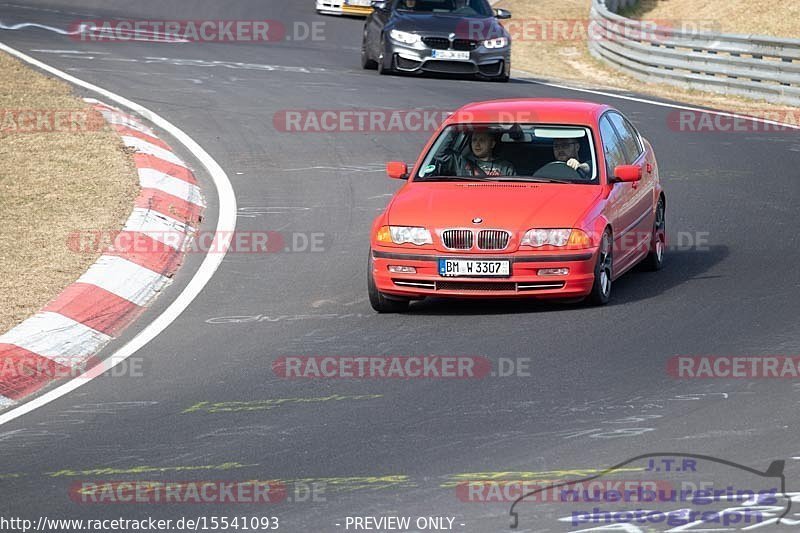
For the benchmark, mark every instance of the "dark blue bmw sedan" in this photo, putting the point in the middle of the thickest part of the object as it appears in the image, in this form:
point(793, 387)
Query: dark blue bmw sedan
point(439, 36)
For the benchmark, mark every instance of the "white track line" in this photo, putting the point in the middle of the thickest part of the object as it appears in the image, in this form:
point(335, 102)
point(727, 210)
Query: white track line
point(25, 25)
point(226, 224)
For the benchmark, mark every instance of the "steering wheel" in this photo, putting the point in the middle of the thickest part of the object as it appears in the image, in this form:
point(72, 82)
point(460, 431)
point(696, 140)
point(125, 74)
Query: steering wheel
point(558, 170)
point(446, 163)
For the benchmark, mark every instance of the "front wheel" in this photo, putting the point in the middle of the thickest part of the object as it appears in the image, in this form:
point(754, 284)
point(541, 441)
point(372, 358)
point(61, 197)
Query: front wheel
point(382, 68)
point(503, 78)
point(601, 289)
point(658, 245)
point(377, 300)
point(367, 63)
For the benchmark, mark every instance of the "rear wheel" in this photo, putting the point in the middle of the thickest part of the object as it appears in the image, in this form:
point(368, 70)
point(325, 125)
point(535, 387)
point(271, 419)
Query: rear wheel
point(658, 245)
point(378, 300)
point(601, 289)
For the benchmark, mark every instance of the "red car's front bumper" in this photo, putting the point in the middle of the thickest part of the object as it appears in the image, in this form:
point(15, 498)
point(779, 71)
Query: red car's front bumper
point(524, 281)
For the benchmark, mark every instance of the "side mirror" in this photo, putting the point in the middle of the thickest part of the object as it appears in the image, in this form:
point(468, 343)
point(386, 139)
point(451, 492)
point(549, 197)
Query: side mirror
point(378, 4)
point(397, 170)
point(502, 14)
point(628, 173)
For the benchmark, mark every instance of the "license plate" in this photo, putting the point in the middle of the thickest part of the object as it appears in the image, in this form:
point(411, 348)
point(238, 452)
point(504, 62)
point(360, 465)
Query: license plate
point(474, 268)
point(361, 3)
point(456, 55)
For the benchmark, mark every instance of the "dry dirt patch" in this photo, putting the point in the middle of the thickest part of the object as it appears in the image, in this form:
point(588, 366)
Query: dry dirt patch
point(778, 18)
point(52, 183)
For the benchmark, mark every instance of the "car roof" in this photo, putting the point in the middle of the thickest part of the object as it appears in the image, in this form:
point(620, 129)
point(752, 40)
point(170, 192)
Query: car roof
point(530, 110)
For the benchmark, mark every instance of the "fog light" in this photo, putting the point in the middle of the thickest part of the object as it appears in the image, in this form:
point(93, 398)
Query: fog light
point(397, 269)
point(553, 271)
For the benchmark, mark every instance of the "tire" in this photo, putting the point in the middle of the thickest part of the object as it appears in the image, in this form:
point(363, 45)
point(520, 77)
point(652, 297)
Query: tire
point(382, 68)
point(494, 79)
point(367, 63)
point(603, 270)
point(654, 260)
point(505, 77)
point(377, 300)
point(502, 78)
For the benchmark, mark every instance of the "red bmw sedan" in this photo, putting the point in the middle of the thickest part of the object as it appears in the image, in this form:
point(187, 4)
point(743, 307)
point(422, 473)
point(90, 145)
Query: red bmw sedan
point(520, 198)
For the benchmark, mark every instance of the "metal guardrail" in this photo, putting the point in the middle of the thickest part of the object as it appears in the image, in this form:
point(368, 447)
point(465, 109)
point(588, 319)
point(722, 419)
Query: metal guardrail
point(754, 66)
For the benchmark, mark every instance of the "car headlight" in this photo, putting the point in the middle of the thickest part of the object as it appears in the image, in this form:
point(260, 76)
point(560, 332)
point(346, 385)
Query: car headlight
point(556, 237)
point(404, 234)
point(404, 37)
point(500, 42)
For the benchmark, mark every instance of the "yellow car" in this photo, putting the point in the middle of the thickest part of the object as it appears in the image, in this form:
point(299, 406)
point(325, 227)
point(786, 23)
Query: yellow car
point(360, 8)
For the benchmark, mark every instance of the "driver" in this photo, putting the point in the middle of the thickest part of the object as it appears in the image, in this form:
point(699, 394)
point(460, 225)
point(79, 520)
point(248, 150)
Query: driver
point(411, 5)
point(462, 7)
point(482, 161)
point(566, 151)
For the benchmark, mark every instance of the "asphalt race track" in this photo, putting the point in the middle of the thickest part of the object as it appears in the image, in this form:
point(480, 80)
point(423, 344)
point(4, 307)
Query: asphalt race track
point(392, 446)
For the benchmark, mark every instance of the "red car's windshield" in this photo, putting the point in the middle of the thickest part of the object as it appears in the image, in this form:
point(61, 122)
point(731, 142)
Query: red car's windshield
point(498, 152)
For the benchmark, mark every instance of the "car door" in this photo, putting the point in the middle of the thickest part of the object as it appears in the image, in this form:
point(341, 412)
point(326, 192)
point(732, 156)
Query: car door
point(619, 211)
point(643, 195)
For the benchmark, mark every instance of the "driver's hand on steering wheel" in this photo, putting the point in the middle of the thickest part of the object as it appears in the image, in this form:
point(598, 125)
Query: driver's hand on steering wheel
point(574, 164)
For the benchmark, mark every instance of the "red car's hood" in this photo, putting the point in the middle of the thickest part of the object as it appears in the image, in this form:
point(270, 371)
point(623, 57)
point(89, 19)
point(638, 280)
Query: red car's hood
point(514, 207)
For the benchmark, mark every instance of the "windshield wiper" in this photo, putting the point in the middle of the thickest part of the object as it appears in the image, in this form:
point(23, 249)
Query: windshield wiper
point(454, 178)
point(533, 179)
